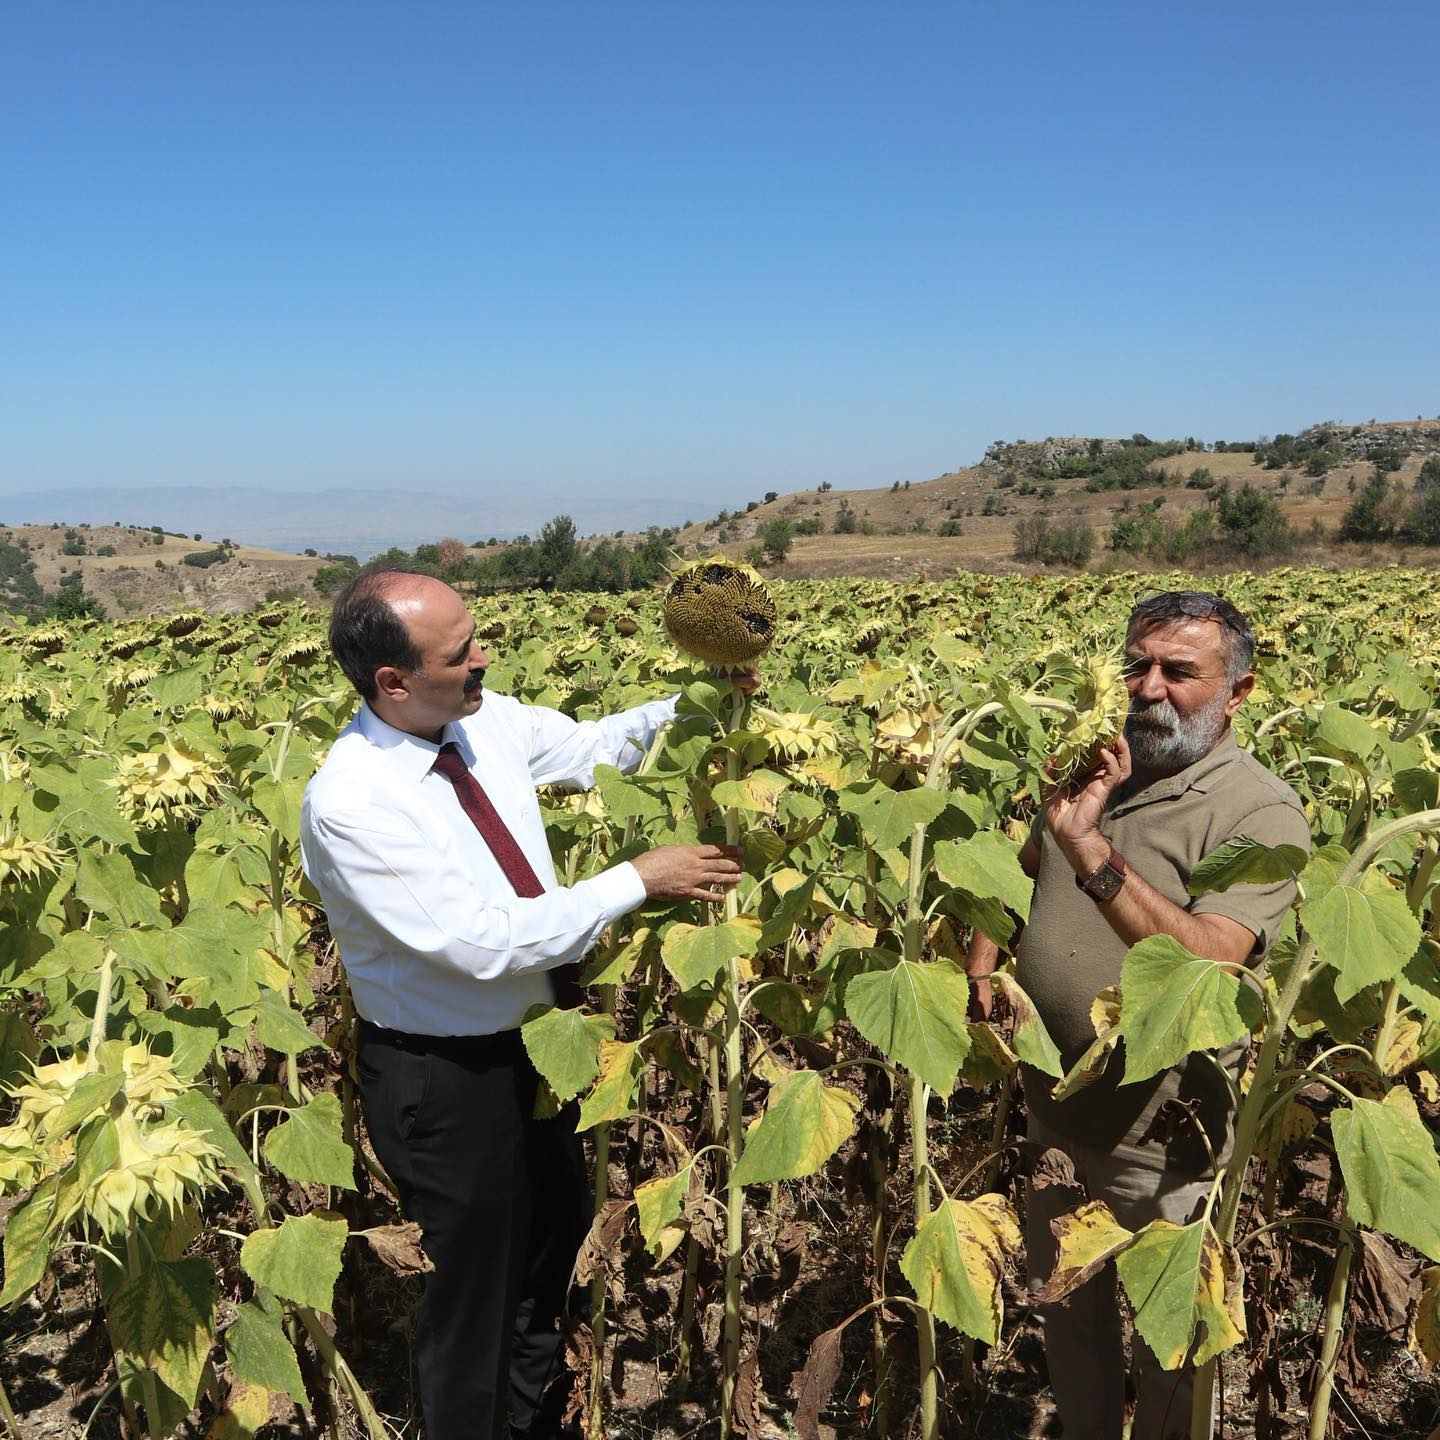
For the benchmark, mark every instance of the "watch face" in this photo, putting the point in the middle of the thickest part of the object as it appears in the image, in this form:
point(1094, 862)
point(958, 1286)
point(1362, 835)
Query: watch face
point(1105, 883)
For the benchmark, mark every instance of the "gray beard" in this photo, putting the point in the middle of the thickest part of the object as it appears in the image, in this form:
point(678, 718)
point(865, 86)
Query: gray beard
point(1166, 742)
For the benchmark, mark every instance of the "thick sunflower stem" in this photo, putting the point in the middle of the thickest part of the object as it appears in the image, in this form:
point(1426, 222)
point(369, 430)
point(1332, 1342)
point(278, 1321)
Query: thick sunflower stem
point(1345, 1255)
point(912, 940)
point(598, 1285)
point(1330, 1345)
point(734, 1106)
point(687, 1314)
point(881, 1095)
point(102, 1009)
point(925, 1319)
point(340, 1369)
point(12, 1425)
point(147, 1375)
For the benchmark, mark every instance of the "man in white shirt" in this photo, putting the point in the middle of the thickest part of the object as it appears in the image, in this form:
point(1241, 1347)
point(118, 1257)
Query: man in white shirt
point(440, 892)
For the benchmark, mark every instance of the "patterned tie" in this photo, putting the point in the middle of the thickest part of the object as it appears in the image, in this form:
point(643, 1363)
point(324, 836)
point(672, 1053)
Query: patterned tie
point(564, 979)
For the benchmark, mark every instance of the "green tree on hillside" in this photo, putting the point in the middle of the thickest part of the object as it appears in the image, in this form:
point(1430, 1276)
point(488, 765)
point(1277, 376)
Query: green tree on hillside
point(1373, 514)
point(776, 536)
point(1252, 522)
point(70, 602)
point(556, 548)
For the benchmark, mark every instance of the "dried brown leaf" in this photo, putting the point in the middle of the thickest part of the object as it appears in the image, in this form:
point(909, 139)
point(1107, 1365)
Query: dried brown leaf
point(792, 1237)
point(750, 1418)
point(579, 1347)
point(813, 1384)
point(1054, 1167)
point(1174, 1120)
point(601, 1240)
point(1386, 1285)
point(398, 1247)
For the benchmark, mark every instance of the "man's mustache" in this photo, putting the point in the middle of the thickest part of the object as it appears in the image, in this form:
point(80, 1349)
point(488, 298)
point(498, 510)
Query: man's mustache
point(475, 683)
point(1153, 715)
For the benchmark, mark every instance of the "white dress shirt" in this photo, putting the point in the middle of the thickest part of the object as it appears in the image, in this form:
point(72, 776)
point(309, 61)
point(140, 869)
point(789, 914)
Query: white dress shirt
point(434, 938)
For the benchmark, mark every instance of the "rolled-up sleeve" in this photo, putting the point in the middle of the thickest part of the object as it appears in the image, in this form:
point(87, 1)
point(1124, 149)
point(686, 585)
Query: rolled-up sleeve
point(1260, 908)
point(376, 877)
point(565, 751)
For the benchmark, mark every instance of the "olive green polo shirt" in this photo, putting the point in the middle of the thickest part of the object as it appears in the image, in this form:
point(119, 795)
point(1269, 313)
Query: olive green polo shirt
point(1068, 952)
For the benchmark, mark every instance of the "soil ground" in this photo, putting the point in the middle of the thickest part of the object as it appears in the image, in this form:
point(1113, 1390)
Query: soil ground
point(806, 1274)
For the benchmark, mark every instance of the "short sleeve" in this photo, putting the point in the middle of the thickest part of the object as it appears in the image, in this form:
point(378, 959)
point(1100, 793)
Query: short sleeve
point(1260, 908)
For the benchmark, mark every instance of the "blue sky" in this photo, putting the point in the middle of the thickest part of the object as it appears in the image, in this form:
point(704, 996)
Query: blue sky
point(696, 252)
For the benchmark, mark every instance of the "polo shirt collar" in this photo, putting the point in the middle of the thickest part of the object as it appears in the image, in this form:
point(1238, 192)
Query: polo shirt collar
point(1200, 777)
point(414, 757)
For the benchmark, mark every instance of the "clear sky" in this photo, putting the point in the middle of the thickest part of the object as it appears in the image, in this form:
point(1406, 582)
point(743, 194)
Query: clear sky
point(698, 251)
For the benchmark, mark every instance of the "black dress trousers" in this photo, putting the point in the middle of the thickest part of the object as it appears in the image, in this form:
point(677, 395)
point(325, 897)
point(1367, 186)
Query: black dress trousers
point(501, 1200)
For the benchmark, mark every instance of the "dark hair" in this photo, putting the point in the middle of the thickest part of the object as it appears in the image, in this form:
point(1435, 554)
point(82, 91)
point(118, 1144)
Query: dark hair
point(1169, 607)
point(365, 631)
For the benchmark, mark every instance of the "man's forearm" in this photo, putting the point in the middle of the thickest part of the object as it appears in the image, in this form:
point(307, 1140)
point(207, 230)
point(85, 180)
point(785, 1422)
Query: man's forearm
point(1139, 910)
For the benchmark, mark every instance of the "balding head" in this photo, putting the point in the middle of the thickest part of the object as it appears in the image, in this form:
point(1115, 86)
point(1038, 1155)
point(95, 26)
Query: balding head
point(369, 624)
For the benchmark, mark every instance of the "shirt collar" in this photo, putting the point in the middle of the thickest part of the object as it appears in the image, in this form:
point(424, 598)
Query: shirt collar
point(1200, 777)
point(414, 756)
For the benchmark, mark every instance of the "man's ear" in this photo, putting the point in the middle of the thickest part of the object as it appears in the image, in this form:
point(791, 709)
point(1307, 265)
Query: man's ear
point(392, 683)
point(1239, 693)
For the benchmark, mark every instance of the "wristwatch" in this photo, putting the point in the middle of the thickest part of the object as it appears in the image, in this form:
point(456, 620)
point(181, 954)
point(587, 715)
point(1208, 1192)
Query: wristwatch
point(1104, 883)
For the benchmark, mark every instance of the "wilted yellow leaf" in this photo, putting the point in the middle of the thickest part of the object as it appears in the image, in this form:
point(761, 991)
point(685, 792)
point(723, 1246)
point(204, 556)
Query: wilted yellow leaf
point(957, 1258)
point(1425, 1319)
point(1089, 1238)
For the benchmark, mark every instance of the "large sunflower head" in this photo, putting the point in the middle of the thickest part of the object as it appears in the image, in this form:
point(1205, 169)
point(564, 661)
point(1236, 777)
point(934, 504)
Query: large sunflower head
point(720, 612)
point(1102, 701)
point(172, 781)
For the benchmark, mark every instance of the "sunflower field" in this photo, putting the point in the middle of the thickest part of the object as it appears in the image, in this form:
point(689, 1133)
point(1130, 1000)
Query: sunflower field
point(806, 1166)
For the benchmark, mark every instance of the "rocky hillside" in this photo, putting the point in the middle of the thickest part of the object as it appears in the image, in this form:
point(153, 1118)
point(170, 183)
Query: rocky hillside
point(967, 518)
point(138, 570)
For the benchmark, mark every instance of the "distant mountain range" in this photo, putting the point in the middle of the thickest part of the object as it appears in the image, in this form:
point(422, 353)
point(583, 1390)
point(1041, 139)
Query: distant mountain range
point(347, 522)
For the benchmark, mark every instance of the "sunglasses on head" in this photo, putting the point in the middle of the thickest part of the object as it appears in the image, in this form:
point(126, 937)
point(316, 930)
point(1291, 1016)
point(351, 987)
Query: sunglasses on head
point(1193, 603)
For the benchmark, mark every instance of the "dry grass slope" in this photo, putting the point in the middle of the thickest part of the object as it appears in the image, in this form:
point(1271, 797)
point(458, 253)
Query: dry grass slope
point(905, 522)
point(129, 582)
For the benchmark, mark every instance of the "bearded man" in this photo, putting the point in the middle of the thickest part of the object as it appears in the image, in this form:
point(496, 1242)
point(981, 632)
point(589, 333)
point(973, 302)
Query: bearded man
point(1111, 861)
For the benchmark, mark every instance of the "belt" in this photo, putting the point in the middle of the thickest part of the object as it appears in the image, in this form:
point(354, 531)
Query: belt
point(502, 1045)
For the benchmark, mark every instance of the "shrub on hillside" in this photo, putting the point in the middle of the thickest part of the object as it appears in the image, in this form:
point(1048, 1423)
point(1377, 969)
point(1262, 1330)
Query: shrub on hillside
point(1422, 520)
point(776, 537)
point(329, 578)
point(204, 559)
point(1374, 514)
point(1053, 542)
point(72, 603)
point(1252, 522)
point(1244, 522)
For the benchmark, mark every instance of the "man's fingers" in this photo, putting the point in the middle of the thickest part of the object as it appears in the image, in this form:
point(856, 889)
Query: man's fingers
point(710, 881)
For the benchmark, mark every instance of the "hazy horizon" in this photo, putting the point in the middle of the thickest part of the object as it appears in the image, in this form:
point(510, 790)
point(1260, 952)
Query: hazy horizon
point(560, 255)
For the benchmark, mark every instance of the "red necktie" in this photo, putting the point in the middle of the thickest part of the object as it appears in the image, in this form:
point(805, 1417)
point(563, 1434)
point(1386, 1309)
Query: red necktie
point(564, 979)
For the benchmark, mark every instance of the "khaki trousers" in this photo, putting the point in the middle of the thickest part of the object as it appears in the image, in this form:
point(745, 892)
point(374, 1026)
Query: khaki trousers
point(1084, 1347)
